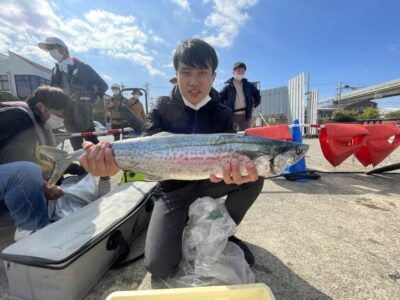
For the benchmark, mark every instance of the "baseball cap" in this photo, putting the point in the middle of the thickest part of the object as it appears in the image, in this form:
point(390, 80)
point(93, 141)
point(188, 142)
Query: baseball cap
point(51, 41)
point(238, 65)
point(115, 86)
point(137, 91)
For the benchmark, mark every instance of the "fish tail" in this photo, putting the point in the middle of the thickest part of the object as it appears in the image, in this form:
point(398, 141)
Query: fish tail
point(62, 161)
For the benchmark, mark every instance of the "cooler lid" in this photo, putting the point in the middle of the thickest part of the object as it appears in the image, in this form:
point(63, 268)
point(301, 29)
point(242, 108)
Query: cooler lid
point(65, 238)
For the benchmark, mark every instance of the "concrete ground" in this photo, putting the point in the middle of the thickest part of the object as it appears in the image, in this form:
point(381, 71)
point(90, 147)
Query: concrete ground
point(333, 238)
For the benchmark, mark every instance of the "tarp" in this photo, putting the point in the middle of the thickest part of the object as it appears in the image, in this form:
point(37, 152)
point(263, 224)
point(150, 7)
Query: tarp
point(277, 132)
point(382, 140)
point(339, 141)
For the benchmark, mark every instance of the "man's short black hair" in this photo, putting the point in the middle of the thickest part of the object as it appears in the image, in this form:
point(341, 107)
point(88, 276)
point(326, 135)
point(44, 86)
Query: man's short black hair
point(239, 65)
point(195, 53)
point(52, 97)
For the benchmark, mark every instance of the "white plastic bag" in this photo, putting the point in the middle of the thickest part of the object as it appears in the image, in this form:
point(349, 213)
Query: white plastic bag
point(207, 256)
point(78, 192)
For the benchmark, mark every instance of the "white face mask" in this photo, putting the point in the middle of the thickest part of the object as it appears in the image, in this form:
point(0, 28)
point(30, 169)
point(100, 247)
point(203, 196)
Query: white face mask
point(237, 76)
point(136, 96)
point(54, 122)
point(198, 105)
point(115, 92)
point(55, 54)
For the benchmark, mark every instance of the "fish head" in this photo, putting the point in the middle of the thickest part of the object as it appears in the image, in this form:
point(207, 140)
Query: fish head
point(287, 156)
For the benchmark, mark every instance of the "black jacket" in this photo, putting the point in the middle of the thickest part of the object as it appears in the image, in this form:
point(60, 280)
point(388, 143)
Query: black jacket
point(81, 75)
point(250, 91)
point(170, 114)
point(18, 137)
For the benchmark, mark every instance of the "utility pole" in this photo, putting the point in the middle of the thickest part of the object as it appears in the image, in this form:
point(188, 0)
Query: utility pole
point(339, 94)
point(147, 89)
point(308, 104)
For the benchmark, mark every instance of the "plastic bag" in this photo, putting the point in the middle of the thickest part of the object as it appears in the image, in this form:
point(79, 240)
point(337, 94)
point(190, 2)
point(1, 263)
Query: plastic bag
point(78, 192)
point(207, 256)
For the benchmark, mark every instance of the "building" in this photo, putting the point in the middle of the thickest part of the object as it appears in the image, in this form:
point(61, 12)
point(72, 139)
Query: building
point(327, 110)
point(284, 104)
point(20, 76)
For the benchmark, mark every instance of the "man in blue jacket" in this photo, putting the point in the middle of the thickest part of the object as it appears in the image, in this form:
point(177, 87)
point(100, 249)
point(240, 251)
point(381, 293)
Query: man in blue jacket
point(79, 81)
point(241, 96)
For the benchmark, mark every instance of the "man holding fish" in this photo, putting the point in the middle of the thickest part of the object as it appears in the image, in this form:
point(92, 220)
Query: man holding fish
point(204, 136)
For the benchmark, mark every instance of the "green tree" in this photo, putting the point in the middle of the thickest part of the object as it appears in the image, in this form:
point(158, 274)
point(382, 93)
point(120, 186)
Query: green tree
point(4, 96)
point(326, 120)
point(343, 116)
point(370, 113)
point(393, 114)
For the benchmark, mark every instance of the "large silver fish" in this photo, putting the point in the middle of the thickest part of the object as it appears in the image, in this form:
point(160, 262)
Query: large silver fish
point(191, 156)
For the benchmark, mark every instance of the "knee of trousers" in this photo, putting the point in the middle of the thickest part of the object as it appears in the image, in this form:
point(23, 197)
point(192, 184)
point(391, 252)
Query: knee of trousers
point(25, 170)
point(159, 267)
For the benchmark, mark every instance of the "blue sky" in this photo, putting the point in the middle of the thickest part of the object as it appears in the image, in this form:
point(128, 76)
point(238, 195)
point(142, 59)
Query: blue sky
point(132, 42)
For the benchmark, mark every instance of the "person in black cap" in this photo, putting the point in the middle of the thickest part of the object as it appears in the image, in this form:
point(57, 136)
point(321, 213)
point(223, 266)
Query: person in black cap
point(79, 81)
point(136, 105)
point(114, 106)
point(241, 96)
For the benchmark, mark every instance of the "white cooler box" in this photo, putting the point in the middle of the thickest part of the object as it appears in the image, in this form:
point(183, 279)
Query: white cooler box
point(67, 258)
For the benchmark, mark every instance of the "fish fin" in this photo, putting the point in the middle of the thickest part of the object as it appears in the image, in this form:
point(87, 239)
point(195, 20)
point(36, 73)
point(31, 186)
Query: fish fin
point(62, 161)
point(52, 152)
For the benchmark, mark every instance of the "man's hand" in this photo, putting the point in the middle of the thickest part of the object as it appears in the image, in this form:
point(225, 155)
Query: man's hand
point(98, 159)
point(52, 193)
point(231, 173)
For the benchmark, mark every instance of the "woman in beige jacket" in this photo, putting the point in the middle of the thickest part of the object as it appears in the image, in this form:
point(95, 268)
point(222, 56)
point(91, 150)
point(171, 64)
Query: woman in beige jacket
point(136, 105)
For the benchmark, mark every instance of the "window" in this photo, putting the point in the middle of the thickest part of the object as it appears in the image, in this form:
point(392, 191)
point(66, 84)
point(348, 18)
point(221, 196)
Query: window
point(4, 83)
point(26, 84)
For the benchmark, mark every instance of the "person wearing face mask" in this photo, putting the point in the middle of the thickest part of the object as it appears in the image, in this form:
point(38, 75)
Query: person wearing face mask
point(24, 126)
point(79, 81)
point(240, 96)
point(193, 107)
point(114, 106)
point(136, 105)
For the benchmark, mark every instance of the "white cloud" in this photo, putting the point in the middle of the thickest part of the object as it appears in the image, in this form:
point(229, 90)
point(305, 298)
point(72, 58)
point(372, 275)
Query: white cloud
point(155, 38)
point(24, 23)
point(170, 65)
point(393, 47)
point(106, 77)
point(225, 21)
point(183, 4)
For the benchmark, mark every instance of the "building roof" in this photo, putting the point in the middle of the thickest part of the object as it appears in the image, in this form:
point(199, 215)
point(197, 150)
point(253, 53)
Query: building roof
point(36, 65)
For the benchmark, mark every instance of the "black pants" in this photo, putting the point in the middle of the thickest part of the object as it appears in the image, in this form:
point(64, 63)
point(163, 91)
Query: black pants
point(76, 142)
point(80, 120)
point(117, 136)
point(164, 236)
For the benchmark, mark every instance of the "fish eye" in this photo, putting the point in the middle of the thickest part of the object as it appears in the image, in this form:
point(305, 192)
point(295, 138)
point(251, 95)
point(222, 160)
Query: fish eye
point(299, 150)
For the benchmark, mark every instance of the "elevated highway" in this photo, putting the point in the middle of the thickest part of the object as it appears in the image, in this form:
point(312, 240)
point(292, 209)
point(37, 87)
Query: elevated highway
point(374, 92)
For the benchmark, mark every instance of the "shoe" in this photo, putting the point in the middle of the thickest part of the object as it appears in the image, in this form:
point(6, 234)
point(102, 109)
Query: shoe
point(246, 251)
point(22, 233)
